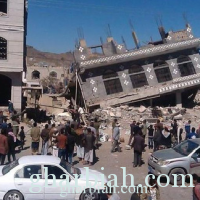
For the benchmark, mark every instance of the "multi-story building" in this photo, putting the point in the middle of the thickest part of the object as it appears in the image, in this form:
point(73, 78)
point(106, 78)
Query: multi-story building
point(167, 70)
point(13, 23)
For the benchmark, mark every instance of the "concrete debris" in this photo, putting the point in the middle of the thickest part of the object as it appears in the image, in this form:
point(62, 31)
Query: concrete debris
point(63, 117)
point(178, 117)
point(142, 109)
point(127, 147)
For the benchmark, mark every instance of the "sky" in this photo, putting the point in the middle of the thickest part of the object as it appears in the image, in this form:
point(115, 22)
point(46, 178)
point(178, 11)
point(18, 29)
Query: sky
point(53, 24)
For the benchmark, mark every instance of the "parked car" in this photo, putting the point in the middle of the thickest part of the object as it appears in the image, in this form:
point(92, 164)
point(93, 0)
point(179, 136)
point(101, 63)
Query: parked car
point(15, 182)
point(184, 159)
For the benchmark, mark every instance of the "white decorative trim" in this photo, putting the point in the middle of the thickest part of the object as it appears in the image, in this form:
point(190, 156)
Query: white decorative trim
point(173, 64)
point(81, 49)
point(149, 69)
point(180, 85)
point(94, 89)
point(134, 53)
point(126, 82)
point(92, 82)
point(186, 78)
point(175, 71)
point(151, 77)
point(124, 75)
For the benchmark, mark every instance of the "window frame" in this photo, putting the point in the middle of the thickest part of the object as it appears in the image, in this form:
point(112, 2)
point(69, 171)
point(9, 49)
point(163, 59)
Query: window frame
point(54, 73)
point(181, 66)
point(163, 65)
point(32, 75)
point(6, 48)
point(5, 13)
point(22, 168)
point(112, 78)
point(58, 166)
point(137, 73)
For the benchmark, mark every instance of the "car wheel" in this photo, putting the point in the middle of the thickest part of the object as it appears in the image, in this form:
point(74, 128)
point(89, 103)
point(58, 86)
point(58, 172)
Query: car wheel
point(89, 194)
point(13, 195)
point(177, 171)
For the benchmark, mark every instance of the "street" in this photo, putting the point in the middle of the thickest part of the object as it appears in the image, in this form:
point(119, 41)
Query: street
point(112, 163)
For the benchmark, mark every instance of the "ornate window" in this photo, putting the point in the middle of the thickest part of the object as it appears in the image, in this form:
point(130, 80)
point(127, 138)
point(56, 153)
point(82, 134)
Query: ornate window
point(162, 71)
point(3, 7)
point(3, 48)
point(35, 74)
point(53, 74)
point(185, 66)
point(112, 82)
point(137, 76)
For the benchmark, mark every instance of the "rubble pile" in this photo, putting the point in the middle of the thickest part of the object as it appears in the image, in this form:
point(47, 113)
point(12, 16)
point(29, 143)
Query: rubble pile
point(126, 114)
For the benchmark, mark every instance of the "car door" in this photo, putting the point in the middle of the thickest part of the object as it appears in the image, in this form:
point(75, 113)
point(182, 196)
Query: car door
point(54, 189)
point(195, 163)
point(32, 189)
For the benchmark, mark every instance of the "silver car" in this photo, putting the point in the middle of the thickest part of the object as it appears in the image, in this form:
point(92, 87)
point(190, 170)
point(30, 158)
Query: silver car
point(182, 159)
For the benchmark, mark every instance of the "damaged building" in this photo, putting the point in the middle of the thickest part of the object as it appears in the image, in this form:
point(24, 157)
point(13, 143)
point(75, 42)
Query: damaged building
point(166, 71)
point(13, 30)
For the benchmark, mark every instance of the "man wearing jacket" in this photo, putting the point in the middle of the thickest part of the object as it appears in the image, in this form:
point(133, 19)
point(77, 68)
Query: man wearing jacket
point(3, 146)
point(138, 146)
point(116, 136)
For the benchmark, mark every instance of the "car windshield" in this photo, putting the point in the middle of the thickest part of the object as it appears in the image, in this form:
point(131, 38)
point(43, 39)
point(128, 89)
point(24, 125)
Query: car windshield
point(9, 167)
point(186, 147)
point(70, 169)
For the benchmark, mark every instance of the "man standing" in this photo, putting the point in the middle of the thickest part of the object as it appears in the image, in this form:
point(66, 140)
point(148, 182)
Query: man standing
point(196, 189)
point(187, 128)
point(192, 135)
point(45, 140)
point(4, 125)
point(174, 126)
point(10, 107)
point(3, 146)
point(132, 131)
point(51, 132)
point(96, 126)
point(70, 147)
point(138, 145)
point(35, 135)
point(144, 128)
point(62, 142)
point(89, 144)
point(116, 135)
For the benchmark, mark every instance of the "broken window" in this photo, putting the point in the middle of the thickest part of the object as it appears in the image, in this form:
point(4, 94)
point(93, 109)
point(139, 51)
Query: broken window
point(3, 7)
point(162, 71)
point(185, 66)
point(53, 74)
point(112, 82)
point(137, 76)
point(3, 48)
point(35, 74)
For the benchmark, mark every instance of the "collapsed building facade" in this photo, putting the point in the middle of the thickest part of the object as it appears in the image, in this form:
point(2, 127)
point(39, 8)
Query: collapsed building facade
point(166, 70)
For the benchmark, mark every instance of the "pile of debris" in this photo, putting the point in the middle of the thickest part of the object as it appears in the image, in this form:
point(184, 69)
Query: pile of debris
point(138, 113)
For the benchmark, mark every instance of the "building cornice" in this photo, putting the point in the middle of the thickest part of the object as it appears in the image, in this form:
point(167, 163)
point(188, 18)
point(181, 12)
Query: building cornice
point(145, 51)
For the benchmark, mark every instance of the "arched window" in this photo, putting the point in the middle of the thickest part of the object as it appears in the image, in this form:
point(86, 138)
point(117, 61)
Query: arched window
point(3, 48)
point(112, 82)
point(185, 66)
point(35, 74)
point(162, 71)
point(53, 74)
point(3, 6)
point(137, 76)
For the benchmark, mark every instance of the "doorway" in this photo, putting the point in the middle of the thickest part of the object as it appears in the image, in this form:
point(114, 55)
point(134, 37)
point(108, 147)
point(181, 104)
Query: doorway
point(5, 90)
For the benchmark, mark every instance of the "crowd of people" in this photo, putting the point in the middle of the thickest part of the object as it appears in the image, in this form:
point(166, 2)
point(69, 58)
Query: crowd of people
point(10, 138)
point(65, 140)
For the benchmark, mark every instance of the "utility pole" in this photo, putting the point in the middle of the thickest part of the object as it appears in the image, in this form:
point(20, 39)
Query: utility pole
point(76, 90)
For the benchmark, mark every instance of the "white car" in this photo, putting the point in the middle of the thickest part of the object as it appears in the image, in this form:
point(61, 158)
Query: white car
point(16, 182)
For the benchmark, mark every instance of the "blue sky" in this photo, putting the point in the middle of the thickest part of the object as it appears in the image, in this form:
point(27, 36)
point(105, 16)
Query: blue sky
point(53, 24)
